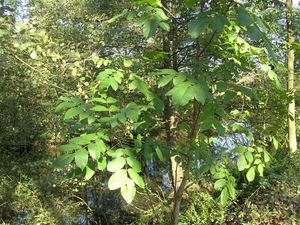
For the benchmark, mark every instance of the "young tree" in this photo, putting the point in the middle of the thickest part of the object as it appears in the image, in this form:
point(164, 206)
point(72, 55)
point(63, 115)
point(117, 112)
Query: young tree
point(291, 76)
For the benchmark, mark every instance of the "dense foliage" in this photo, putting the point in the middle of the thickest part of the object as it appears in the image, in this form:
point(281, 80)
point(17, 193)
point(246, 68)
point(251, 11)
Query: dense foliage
point(180, 105)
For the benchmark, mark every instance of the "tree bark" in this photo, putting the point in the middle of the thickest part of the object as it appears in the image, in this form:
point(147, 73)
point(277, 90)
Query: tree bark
point(291, 78)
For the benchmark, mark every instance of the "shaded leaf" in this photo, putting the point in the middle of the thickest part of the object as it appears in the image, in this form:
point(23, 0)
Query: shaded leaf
point(63, 160)
point(149, 28)
point(198, 26)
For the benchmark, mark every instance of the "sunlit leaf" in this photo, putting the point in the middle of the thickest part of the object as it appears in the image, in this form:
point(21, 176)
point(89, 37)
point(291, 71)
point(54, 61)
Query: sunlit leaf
point(73, 112)
point(135, 164)
point(260, 169)
point(101, 164)
point(249, 156)
point(64, 105)
point(128, 191)
point(81, 158)
point(116, 164)
point(88, 173)
point(219, 175)
point(219, 184)
point(224, 196)
point(117, 180)
point(250, 174)
point(231, 190)
point(242, 163)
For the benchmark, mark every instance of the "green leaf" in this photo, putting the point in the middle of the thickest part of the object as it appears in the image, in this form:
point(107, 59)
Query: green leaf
point(117, 180)
point(219, 127)
point(136, 178)
point(205, 125)
point(269, 47)
point(219, 175)
point(266, 156)
point(99, 108)
point(135, 165)
point(254, 33)
point(275, 143)
point(219, 184)
point(260, 23)
point(250, 174)
point(273, 76)
point(128, 191)
point(260, 169)
point(101, 164)
point(111, 100)
point(132, 112)
point(248, 92)
point(159, 154)
point(149, 28)
point(165, 80)
point(113, 83)
point(224, 196)
point(73, 112)
point(80, 140)
point(221, 86)
point(81, 158)
point(88, 173)
point(116, 17)
point(229, 95)
point(199, 92)
point(140, 85)
point(64, 105)
point(180, 94)
point(239, 149)
point(190, 3)
point(101, 146)
point(164, 25)
point(160, 15)
point(249, 156)
point(127, 62)
point(242, 163)
point(94, 151)
point(69, 147)
point(198, 26)
point(116, 164)
point(231, 190)
point(243, 17)
point(203, 169)
point(63, 160)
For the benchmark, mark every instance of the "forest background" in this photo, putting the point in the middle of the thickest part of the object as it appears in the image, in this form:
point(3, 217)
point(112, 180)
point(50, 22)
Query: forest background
point(149, 112)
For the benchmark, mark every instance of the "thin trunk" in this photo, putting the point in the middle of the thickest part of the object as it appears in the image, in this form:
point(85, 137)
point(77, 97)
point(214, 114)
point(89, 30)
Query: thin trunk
point(291, 77)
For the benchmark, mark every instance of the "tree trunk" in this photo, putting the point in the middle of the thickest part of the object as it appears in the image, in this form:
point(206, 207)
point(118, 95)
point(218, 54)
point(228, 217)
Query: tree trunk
point(291, 77)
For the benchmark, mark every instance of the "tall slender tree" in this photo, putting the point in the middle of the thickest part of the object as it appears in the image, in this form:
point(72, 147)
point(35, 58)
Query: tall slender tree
point(291, 77)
